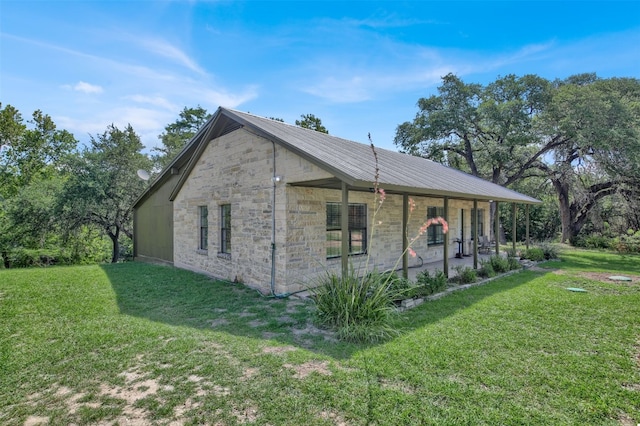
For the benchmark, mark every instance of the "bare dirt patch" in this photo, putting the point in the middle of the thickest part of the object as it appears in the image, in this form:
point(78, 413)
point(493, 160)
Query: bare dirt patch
point(36, 420)
point(277, 349)
point(312, 330)
point(245, 415)
point(303, 370)
point(626, 420)
point(248, 373)
point(335, 418)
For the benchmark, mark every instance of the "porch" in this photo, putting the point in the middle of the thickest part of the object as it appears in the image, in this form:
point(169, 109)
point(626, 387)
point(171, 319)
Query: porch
point(454, 263)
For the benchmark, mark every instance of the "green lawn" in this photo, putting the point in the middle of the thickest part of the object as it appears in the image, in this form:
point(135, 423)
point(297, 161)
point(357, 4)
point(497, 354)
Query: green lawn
point(142, 344)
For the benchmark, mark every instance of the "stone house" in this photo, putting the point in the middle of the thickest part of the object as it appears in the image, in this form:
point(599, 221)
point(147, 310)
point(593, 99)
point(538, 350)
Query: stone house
point(261, 202)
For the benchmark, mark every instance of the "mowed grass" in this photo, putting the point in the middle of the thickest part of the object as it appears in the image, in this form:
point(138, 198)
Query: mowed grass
point(143, 344)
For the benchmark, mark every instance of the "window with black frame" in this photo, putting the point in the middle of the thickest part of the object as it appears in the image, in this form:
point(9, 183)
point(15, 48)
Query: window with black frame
point(357, 232)
point(203, 242)
point(225, 228)
point(435, 235)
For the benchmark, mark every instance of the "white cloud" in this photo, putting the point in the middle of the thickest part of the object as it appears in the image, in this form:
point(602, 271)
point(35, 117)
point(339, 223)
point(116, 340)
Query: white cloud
point(87, 88)
point(167, 50)
point(226, 99)
point(158, 101)
point(84, 87)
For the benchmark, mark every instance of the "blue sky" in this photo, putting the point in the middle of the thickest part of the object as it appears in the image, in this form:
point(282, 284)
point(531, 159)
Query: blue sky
point(360, 66)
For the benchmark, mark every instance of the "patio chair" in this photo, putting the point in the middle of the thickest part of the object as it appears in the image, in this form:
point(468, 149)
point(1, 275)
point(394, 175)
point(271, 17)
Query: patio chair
point(485, 245)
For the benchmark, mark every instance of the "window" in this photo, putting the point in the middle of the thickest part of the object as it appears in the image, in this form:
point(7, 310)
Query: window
point(225, 228)
point(480, 219)
point(204, 228)
point(357, 229)
point(434, 232)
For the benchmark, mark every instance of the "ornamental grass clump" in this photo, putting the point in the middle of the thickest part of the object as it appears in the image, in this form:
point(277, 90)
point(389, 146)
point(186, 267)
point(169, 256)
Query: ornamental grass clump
point(358, 308)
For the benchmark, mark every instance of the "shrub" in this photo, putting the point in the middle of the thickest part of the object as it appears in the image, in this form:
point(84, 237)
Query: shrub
point(597, 242)
point(359, 309)
point(486, 269)
point(466, 275)
point(429, 284)
point(500, 264)
point(514, 263)
point(26, 258)
point(535, 254)
point(629, 243)
point(512, 253)
point(550, 251)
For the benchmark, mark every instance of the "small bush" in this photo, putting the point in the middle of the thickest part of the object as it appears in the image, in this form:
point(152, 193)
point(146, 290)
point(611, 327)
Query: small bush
point(429, 284)
point(500, 264)
point(629, 243)
point(486, 269)
point(594, 242)
point(466, 275)
point(514, 263)
point(550, 251)
point(512, 253)
point(359, 309)
point(535, 254)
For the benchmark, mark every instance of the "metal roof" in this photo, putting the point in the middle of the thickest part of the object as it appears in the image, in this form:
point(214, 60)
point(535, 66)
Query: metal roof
point(354, 163)
point(350, 162)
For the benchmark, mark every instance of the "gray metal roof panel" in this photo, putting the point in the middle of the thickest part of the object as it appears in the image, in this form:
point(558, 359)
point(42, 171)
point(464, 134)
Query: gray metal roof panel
point(356, 161)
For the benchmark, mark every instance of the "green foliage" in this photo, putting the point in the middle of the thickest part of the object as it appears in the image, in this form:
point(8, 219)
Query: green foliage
point(429, 284)
point(499, 264)
point(103, 185)
point(514, 263)
point(310, 121)
point(465, 275)
point(359, 309)
point(398, 287)
point(534, 253)
point(550, 250)
point(627, 243)
point(27, 258)
point(486, 269)
point(177, 134)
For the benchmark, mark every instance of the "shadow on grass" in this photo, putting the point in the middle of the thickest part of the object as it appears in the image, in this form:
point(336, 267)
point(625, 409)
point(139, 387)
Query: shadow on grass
point(182, 298)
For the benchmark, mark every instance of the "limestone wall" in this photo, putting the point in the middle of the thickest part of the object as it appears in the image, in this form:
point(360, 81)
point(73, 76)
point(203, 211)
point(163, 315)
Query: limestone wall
point(236, 169)
point(306, 232)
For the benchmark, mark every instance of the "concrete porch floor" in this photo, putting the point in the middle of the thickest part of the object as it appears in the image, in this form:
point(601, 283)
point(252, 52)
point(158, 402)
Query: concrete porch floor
point(453, 263)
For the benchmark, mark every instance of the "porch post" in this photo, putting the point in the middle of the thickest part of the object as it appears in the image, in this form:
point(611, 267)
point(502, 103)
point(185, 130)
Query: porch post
point(344, 226)
point(526, 210)
point(445, 248)
point(496, 227)
point(513, 225)
point(405, 242)
point(474, 221)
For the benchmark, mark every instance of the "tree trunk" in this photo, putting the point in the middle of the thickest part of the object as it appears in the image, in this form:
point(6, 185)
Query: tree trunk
point(115, 240)
point(562, 189)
